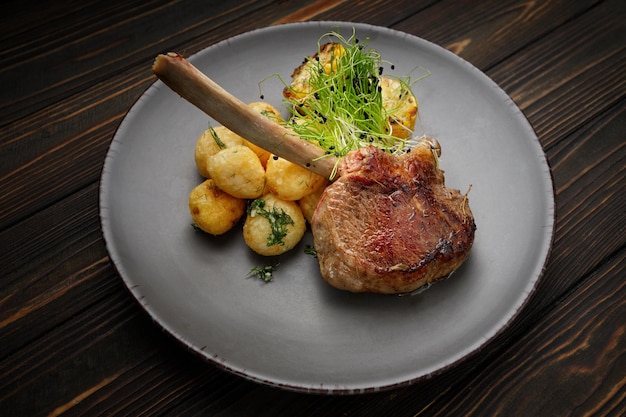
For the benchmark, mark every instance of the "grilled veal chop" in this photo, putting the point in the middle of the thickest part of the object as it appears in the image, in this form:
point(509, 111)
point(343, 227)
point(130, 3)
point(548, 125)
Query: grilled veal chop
point(389, 225)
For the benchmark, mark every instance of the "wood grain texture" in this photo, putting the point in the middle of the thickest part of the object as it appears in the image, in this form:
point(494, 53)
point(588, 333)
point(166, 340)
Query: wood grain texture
point(488, 32)
point(382, 13)
point(557, 83)
point(73, 341)
point(96, 43)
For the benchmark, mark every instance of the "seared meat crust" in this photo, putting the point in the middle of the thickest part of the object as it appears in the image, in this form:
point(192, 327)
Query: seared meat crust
point(389, 225)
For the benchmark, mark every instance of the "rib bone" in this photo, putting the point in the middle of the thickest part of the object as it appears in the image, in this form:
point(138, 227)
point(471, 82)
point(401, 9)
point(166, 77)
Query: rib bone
point(194, 86)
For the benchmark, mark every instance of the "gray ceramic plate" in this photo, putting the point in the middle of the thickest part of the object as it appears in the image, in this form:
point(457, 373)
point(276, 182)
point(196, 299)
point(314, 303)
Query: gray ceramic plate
point(296, 332)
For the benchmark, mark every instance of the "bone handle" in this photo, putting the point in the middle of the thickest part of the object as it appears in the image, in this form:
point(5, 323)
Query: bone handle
point(194, 86)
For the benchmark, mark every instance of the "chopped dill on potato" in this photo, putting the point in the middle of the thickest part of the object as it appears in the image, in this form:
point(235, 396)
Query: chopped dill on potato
point(216, 138)
point(278, 219)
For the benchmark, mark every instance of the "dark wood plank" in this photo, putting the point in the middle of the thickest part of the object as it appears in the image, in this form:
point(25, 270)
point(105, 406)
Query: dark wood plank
point(488, 32)
point(69, 270)
point(49, 234)
point(556, 81)
point(51, 365)
point(86, 52)
point(25, 15)
point(382, 13)
point(67, 141)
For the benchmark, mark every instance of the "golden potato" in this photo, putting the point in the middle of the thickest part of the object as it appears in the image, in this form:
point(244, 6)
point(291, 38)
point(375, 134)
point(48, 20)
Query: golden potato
point(238, 171)
point(266, 110)
point(271, 113)
point(290, 181)
point(327, 55)
point(309, 202)
point(400, 102)
point(213, 210)
point(261, 153)
point(273, 226)
point(210, 142)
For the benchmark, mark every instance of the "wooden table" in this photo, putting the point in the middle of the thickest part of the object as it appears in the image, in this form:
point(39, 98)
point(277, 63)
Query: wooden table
point(73, 341)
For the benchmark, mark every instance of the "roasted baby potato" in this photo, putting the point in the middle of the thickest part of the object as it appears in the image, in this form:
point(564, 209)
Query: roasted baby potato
point(289, 181)
point(271, 113)
point(210, 142)
point(401, 104)
point(238, 171)
point(266, 110)
point(273, 226)
point(309, 202)
point(328, 56)
point(213, 210)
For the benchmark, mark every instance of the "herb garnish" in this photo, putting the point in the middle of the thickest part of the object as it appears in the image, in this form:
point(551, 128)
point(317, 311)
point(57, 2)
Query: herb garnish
point(216, 138)
point(342, 109)
point(278, 219)
point(264, 273)
point(310, 250)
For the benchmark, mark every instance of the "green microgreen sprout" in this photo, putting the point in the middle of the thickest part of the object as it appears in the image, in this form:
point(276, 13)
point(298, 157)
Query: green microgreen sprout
point(278, 219)
point(342, 109)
